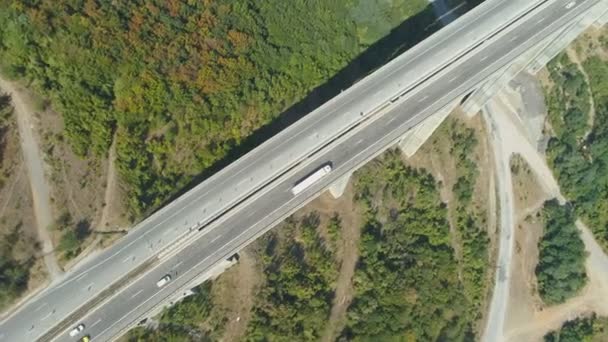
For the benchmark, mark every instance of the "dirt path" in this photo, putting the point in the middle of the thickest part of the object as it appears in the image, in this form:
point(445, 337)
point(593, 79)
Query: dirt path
point(35, 166)
point(509, 139)
point(109, 195)
point(351, 225)
point(498, 303)
point(592, 298)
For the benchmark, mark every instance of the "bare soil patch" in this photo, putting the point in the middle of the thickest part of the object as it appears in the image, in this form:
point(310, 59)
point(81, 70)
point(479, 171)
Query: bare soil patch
point(593, 42)
point(78, 186)
point(524, 301)
point(234, 292)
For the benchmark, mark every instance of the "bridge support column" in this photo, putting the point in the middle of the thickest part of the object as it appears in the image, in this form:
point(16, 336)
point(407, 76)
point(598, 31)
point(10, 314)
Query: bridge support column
point(498, 81)
point(597, 15)
point(338, 187)
point(536, 58)
point(412, 140)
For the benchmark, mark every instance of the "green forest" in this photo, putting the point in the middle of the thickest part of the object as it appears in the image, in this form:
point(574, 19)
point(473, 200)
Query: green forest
point(182, 85)
point(582, 329)
point(470, 222)
point(578, 153)
point(561, 266)
point(406, 283)
point(195, 318)
point(300, 272)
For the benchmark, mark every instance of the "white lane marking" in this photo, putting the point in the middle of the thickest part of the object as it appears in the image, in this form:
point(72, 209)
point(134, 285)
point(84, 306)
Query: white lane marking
point(359, 141)
point(513, 38)
point(186, 196)
point(393, 119)
point(252, 212)
point(46, 316)
point(177, 265)
point(540, 20)
point(453, 79)
point(126, 259)
point(423, 98)
point(484, 58)
point(215, 239)
point(81, 276)
point(137, 293)
point(96, 322)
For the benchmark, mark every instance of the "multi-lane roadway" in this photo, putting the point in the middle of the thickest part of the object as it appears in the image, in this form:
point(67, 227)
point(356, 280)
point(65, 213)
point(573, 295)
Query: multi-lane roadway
point(248, 218)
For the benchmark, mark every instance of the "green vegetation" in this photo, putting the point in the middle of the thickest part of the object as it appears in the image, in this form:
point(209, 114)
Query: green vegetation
point(406, 283)
point(14, 273)
point(6, 112)
point(561, 266)
point(470, 222)
point(73, 235)
point(194, 318)
point(588, 329)
point(300, 272)
point(334, 229)
point(568, 102)
point(183, 84)
point(578, 159)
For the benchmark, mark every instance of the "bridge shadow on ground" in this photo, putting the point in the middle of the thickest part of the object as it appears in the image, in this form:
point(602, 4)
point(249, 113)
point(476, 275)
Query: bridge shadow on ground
point(400, 39)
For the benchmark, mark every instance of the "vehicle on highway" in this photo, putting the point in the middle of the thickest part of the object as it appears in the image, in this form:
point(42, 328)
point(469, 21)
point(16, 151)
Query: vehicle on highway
point(312, 178)
point(85, 338)
point(163, 281)
point(77, 330)
point(570, 4)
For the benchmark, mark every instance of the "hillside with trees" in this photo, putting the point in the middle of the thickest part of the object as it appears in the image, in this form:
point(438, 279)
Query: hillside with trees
point(18, 246)
point(406, 284)
point(182, 85)
point(578, 152)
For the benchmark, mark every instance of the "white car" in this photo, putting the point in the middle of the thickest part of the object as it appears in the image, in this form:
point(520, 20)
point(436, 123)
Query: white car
point(164, 280)
point(77, 330)
point(570, 4)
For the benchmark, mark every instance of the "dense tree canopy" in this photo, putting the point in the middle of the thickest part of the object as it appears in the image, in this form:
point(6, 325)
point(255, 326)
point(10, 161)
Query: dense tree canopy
point(295, 302)
point(578, 153)
point(587, 329)
point(406, 282)
point(561, 266)
point(181, 83)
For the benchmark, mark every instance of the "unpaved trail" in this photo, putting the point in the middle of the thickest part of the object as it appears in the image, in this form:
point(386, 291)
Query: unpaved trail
point(498, 304)
point(351, 226)
point(592, 297)
point(35, 168)
point(109, 195)
point(508, 139)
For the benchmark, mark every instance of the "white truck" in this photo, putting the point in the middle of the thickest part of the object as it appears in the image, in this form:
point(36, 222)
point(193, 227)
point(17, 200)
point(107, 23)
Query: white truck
point(311, 179)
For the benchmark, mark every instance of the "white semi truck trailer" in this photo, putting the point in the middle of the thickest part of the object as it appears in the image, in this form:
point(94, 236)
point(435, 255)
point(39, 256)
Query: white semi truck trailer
point(312, 178)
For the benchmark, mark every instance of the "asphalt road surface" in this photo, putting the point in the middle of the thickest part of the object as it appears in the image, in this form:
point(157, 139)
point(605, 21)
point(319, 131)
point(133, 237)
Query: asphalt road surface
point(250, 221)
point(229, 186)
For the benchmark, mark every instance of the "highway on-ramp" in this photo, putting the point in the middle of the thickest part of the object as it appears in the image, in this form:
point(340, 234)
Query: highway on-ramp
point(261, 167)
